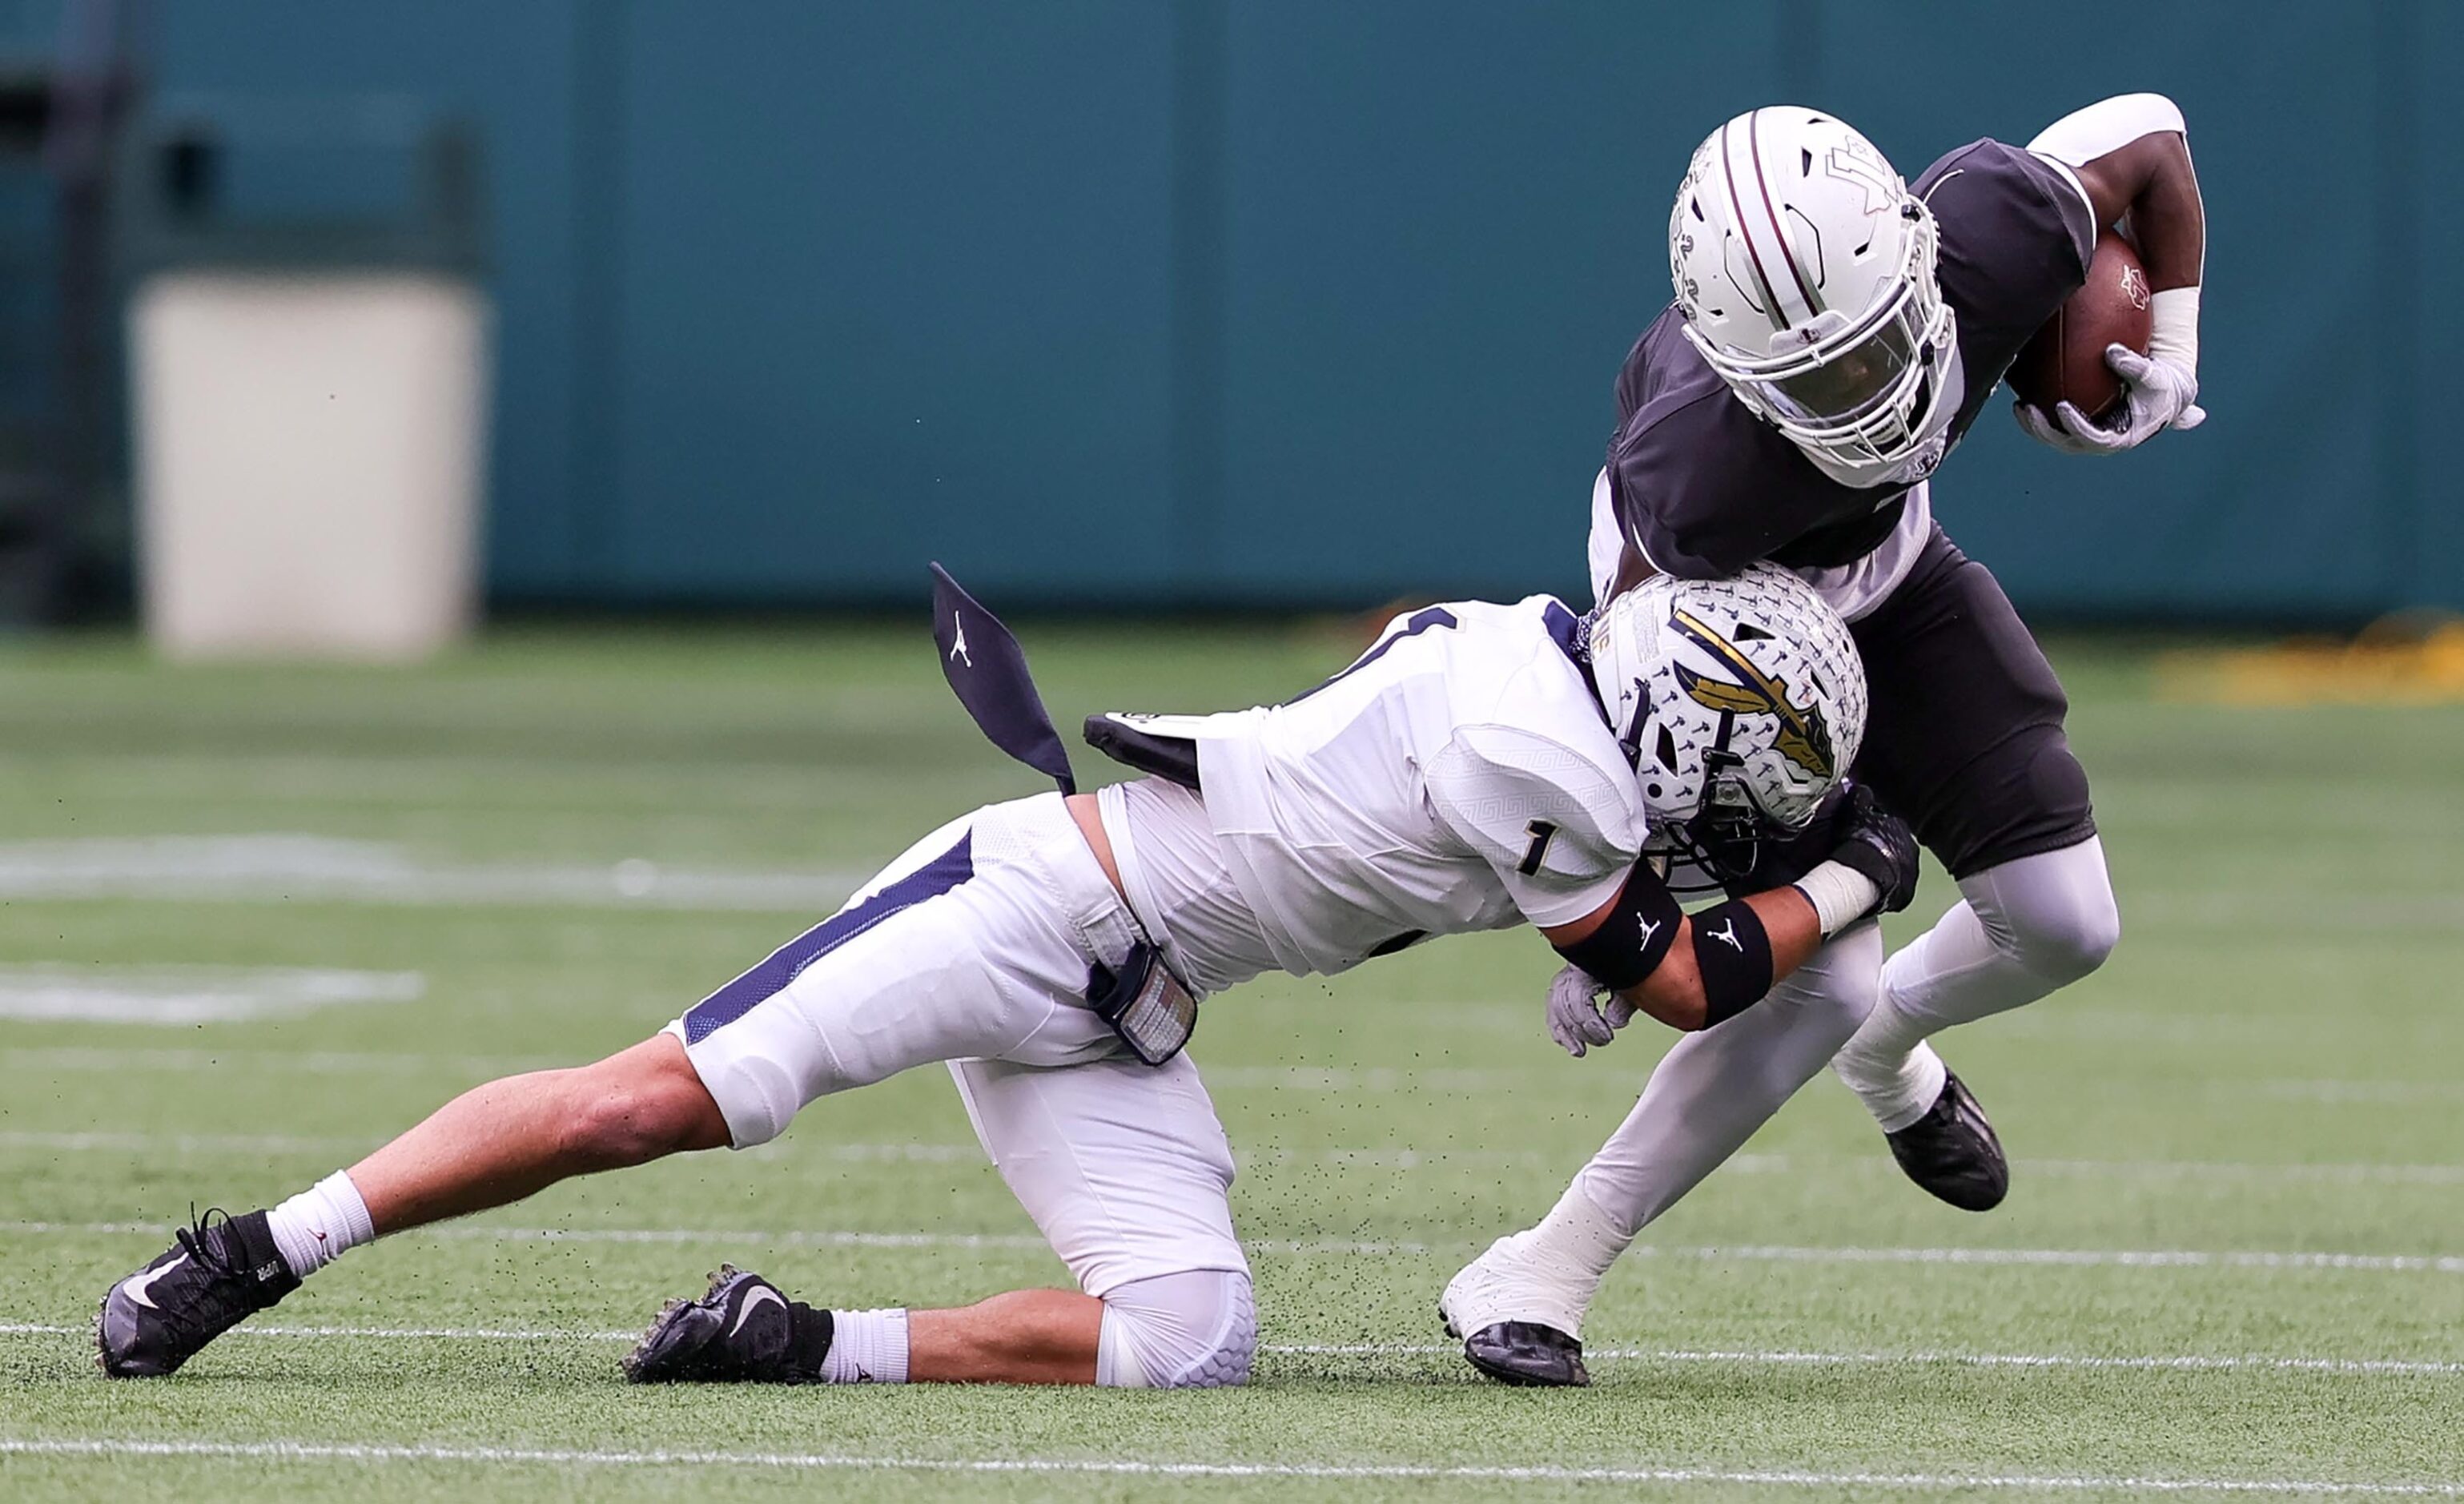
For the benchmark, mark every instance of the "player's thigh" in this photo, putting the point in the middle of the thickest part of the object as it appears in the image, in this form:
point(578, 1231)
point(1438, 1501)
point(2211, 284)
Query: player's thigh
point(1964, 735)
point(1124, 1166)
point(957, 950)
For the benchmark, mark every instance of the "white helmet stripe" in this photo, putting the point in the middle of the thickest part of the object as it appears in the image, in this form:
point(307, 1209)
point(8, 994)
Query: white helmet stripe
point(1780, 231)
point(1737, 216)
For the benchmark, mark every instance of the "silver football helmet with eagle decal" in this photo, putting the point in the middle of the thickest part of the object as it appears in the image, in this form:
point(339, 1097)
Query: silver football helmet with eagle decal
point(1741, 701)
point(1806, 273)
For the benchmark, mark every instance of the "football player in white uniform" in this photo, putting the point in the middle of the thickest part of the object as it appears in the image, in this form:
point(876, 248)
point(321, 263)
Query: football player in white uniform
point(1480, 766)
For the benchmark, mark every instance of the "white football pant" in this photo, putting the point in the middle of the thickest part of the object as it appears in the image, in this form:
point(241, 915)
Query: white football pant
point(974, 948)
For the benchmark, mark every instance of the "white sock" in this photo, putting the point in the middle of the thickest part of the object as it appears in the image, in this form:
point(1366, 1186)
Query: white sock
point(1899, 1082)
point(1577, 1233)
point(320, 1224)
point(867, 1347)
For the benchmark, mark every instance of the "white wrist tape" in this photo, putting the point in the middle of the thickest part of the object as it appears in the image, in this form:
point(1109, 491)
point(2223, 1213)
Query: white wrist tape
point(1840, 896)
point(2173, 332)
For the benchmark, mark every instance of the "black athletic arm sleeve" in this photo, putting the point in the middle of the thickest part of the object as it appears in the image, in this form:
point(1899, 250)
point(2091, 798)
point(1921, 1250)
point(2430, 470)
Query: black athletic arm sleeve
point(1640, 926)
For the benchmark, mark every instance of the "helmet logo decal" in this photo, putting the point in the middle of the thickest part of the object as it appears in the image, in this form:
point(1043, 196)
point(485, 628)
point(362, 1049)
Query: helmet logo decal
point(1804, 739)
point(1849, 164)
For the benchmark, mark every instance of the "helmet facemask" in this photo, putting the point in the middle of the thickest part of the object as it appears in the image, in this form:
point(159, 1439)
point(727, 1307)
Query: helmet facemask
point(1857, 391)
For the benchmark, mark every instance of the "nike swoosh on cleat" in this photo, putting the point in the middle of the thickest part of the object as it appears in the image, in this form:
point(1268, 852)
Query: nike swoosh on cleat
point(744, 1312)
point(138, 1285)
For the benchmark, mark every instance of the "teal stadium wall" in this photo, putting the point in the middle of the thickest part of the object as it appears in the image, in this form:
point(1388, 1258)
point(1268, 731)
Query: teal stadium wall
point(1274, 301)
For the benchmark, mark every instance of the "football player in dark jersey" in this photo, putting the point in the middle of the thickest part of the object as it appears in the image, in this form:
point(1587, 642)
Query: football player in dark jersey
point(1835, 333)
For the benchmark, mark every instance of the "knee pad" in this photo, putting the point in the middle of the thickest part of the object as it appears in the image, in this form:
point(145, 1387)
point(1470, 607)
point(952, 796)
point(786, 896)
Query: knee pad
point(1194, 1330)
point(2052, 913)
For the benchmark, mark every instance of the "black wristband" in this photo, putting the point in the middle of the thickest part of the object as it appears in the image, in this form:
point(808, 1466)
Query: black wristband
point(1639, 928)
point(1732, 952)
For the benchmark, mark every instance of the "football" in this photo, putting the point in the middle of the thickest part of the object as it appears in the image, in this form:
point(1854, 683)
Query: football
point(2064, 361)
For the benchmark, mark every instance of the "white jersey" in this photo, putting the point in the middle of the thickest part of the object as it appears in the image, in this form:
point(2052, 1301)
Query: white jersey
point(1460, 776)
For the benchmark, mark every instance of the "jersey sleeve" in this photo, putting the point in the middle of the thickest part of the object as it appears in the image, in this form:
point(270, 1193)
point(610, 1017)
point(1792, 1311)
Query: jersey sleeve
point(1560, 830)
point(2016, 239)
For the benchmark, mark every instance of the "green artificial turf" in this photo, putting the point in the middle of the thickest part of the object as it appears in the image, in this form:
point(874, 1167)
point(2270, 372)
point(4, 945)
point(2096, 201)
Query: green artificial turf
point(2268, 1067)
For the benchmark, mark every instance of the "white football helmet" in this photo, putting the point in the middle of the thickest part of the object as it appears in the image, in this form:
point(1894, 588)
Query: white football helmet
point(1805, 271)
point(1742, 700)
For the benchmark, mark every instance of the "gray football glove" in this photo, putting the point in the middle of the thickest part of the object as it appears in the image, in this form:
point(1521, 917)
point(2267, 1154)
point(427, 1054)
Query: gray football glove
point(1577, 1018)
point(2157, 395)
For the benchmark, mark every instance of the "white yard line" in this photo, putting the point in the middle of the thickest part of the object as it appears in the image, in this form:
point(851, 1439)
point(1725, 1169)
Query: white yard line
point(1381, 1158)
point(2328, 1093)
point(176, 1142)
point(261, 867)
point(283, 1451)
point(2192, 1363)
point(1749, 1253)
point(1784, 1358)
point(2376, 1094)
point(60, 1058)
point(181, 996)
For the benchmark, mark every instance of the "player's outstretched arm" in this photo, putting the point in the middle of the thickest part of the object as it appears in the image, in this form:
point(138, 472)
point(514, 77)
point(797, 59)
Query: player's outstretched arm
point(2131, 157)
point(1691, 972)
point(1677, 992)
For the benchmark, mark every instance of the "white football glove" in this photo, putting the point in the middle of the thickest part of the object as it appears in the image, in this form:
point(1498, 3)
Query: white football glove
point(1577, 1020)
point(2157, 394)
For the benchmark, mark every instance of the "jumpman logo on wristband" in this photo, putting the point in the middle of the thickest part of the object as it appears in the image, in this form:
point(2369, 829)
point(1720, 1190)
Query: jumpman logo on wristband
point(1728, 931)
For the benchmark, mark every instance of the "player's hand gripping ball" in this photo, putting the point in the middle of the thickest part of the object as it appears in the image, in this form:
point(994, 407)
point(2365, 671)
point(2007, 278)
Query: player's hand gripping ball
point(2085, 384)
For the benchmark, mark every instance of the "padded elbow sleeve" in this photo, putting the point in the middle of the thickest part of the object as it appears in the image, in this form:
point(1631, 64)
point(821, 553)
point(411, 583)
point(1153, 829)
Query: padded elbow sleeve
point(1733, 951)
point(1629, 944)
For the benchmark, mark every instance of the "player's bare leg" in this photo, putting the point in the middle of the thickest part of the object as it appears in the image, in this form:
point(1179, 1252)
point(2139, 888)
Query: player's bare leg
point(506, 1141)
point(493, 1145)
point(511, 1139)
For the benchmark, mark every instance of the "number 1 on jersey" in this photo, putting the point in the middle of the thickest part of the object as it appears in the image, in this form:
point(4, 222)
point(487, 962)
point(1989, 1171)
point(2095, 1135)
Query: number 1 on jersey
point(1542, 832)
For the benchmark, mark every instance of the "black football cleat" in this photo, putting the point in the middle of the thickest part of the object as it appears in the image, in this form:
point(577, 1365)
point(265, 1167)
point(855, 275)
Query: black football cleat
point(744, 1331)
point(216, 1275)
point(1953, 1152)
point(1528, 1354)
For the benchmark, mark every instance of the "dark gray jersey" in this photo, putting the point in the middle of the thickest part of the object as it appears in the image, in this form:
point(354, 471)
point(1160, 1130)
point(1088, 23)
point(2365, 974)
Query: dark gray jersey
point(1708, 488)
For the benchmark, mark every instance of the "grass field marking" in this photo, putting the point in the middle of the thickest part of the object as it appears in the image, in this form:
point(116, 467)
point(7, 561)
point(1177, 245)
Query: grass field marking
point(1789, 1477)
point(292, 868)
point(2376, 1094)
point(449, 1334)
point(1376, 1248)
point(2192, 1363)
point(1386, 1156)
point(181, 996)
point(100, 1141)
point(2332, 1092)
point(1786, 1358)
point(2124, 1258)
point(310, 1062)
